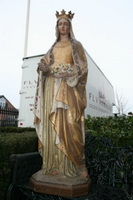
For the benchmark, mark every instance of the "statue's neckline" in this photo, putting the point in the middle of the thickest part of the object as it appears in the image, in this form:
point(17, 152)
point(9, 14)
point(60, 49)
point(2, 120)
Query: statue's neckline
point(62, 43)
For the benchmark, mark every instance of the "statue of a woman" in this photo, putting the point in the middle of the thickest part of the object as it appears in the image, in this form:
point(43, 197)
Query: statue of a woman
point(60, 102)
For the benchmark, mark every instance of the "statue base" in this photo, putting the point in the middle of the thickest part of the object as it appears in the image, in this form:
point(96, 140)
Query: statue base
point(59, 185)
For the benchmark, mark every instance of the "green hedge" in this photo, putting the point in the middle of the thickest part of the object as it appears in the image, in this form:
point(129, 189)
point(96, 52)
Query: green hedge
point(118, 129)
point(15, 130)
point(13, 143)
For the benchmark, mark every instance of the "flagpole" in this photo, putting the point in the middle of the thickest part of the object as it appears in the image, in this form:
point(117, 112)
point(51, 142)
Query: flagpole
point(27, 29)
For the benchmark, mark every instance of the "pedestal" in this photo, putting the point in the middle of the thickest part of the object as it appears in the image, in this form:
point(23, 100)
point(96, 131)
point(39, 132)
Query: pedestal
point(59, 185)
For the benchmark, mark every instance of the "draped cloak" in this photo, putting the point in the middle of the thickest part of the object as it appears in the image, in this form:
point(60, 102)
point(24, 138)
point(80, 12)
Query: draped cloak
point(66, 112)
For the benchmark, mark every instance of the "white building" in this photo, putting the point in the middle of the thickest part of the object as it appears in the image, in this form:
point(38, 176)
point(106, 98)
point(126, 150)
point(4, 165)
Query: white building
point(100, 93)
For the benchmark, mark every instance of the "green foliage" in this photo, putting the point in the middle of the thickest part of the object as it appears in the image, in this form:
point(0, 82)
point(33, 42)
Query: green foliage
point(118, 129)
point(15, 130)
point(13, 143)
point(111, 131)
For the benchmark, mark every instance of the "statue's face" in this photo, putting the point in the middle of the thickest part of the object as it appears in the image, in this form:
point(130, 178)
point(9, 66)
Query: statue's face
point(64, 26)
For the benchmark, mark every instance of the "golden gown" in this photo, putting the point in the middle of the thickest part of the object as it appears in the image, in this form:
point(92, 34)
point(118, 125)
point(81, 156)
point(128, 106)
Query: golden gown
point(62, 132)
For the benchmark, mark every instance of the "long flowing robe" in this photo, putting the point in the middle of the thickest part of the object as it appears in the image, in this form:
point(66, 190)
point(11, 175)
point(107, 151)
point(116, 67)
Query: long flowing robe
point(59, 111)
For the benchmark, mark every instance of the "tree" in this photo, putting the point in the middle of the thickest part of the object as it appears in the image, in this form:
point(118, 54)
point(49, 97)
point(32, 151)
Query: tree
point(121, 104)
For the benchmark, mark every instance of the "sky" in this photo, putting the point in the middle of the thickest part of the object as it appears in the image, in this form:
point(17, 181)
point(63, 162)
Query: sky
point(104, 27)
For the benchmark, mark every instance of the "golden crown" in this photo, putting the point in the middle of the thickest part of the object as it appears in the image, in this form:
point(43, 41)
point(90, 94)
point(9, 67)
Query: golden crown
point(63, 14)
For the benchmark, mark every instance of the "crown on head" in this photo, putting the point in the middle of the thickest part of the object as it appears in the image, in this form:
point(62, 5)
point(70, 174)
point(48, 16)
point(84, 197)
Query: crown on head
point(63, 14)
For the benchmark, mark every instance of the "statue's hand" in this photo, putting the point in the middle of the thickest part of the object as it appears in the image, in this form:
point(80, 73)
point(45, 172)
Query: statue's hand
point(61, 75)
point(42, 67)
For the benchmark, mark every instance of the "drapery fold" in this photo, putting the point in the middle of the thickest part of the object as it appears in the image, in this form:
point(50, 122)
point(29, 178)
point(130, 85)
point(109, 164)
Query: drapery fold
point(62, 113)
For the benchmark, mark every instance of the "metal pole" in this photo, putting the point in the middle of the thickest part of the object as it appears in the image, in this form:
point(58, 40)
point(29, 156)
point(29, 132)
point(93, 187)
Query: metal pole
point(27, 29)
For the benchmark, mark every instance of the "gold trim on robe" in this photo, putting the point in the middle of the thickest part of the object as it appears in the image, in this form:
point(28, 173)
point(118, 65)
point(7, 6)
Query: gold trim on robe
point(61, 125)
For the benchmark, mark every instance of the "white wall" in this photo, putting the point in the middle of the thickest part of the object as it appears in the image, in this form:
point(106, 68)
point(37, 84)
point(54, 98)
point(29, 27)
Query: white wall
point(100, 94)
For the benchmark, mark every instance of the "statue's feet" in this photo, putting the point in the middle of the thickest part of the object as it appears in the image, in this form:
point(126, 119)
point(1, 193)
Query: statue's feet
point(84, 173)
point(54, 172)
